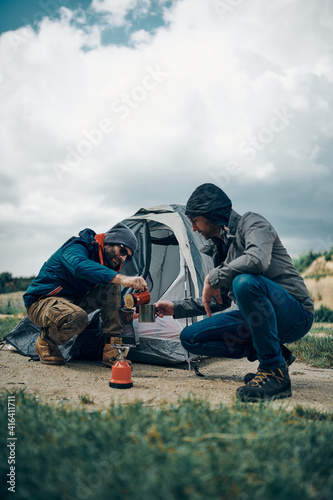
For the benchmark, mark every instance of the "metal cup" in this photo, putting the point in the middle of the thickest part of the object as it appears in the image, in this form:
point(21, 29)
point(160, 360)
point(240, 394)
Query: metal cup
point(126, 315)
point(147, 313)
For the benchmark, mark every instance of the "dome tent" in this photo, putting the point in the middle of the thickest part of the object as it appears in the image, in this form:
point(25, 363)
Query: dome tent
point(169, 259)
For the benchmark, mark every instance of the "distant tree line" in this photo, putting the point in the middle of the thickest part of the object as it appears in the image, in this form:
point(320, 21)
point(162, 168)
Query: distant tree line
point(9, 284)
point(305, 260)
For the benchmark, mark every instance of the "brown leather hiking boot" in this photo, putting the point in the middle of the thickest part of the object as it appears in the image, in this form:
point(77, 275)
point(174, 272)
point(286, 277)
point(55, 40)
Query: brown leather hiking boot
point(48, 352)
point(110, 354)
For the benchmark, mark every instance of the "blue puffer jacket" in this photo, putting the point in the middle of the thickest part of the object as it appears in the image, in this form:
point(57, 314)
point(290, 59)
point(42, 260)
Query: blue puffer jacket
point(74, 269)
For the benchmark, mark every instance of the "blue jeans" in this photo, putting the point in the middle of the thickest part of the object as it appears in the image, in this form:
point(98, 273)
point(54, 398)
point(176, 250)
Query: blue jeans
point(268, 316)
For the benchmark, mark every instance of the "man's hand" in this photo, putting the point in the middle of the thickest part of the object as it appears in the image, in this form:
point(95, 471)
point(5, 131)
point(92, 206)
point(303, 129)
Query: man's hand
point(208, 293)
point(164, 308)
point(136, 282)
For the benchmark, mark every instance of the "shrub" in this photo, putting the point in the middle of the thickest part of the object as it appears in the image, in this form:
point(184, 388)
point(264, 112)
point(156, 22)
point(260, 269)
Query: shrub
point(323, 314)
point(9, 284)
point(183, 451)
point(328, 255)
point(305, 260)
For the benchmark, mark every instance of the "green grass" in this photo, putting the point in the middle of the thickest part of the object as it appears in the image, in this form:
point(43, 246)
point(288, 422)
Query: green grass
point(11, 303)
point(7, 324)
point(86, 399)
point(323, 328)
point(9, 308)
point(183, 451)
point(315, 350)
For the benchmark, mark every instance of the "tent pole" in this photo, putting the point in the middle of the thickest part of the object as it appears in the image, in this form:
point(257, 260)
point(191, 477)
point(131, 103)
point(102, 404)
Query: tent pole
point(185, 285)
point(185, 288)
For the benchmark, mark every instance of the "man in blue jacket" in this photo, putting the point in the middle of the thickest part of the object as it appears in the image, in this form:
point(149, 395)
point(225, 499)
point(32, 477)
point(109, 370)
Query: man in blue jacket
point(253, 269)
point(80, 277)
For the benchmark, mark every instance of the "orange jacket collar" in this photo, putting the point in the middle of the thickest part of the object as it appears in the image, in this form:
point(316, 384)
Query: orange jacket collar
point(100, 240)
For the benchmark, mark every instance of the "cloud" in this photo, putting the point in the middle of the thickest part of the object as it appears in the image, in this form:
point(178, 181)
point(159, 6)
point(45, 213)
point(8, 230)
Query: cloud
point(93, 132)
point(117, 10)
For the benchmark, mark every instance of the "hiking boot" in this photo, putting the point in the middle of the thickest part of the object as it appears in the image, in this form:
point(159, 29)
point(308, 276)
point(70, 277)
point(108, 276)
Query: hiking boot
point(266, 384)
point(288, 356)
point(110, 354)
point(48, 352)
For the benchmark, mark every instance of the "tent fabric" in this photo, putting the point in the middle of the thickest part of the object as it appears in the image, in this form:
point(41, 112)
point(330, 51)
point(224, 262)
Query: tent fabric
point(169, 259)
point(174, 268)
point(170, 220)
point(87, 345)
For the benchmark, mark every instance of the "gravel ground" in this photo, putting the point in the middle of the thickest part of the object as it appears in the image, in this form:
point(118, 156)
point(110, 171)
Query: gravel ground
point(312, 387)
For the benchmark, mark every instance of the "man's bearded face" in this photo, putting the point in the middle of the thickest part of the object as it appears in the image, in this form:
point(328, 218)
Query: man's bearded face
point(112, 257)
point(205, 227)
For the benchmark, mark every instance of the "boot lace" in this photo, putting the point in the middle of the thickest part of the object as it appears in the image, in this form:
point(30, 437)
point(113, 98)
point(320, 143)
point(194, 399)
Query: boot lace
point(261, 376)
point(52, 350)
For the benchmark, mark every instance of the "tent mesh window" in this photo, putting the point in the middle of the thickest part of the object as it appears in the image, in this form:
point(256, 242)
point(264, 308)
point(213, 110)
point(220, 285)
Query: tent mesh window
point(165, 262)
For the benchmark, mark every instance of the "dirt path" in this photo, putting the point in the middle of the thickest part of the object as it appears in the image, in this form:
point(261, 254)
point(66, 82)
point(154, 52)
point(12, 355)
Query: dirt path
point(312, 387)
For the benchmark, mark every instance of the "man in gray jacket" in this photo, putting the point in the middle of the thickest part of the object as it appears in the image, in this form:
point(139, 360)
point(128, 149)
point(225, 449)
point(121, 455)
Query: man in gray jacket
point(253, 269)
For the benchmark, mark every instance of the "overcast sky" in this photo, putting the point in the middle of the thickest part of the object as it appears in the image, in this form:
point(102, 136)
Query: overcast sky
point(108, 106)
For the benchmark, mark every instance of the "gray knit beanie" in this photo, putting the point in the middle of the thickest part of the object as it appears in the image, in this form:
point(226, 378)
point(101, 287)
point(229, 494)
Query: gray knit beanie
point(121, 235)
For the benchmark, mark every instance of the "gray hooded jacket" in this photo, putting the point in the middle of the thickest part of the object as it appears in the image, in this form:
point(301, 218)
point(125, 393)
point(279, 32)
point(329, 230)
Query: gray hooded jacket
point(251, 246)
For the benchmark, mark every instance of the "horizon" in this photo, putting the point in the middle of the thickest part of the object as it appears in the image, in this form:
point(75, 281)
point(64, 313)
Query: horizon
point(295, 257)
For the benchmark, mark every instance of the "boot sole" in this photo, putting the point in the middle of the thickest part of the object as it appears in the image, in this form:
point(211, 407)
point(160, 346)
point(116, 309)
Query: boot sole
point(287, 393)
point(54, 363)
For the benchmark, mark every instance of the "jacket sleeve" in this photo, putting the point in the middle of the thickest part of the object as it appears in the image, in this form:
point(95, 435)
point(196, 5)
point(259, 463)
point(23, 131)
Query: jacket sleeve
point(188, 308)
point(258, 237)
point(75, 258)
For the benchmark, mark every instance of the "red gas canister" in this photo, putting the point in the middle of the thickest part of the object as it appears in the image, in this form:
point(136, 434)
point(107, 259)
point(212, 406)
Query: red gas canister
point(121, 374)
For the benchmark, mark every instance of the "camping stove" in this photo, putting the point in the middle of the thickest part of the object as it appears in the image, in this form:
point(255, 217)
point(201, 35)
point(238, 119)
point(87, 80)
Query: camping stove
point(121, 371)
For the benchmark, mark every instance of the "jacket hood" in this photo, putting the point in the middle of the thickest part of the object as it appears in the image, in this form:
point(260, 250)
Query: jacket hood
point(211, 202)
point(87, 234)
